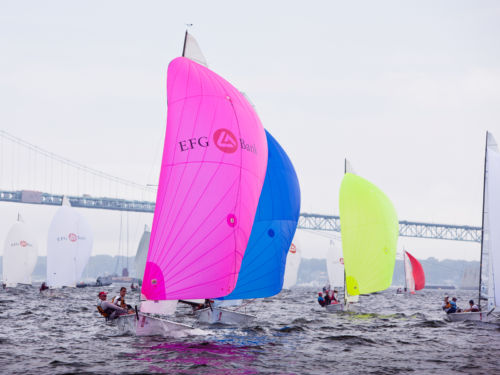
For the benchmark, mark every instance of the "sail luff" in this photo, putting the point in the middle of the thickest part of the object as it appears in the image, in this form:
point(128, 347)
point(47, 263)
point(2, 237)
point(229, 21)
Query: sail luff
point(482, 218)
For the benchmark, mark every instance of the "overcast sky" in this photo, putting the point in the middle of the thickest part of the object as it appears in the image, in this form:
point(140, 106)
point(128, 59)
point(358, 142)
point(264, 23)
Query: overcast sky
point(405, 90)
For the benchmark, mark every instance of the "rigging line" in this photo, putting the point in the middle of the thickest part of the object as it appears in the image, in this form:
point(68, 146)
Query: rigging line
point(69, 162)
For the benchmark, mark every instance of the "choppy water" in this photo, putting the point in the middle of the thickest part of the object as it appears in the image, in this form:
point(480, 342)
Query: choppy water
point(292, 335)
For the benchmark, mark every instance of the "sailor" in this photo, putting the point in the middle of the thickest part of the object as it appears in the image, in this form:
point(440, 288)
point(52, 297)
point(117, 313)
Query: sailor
point(334, 299)
point(120, 299)
point(328, 300)
point(453, 306)
point(446, 304)
point(108, 309)
point(473, 307)
point(43, 287)
point(321, 300)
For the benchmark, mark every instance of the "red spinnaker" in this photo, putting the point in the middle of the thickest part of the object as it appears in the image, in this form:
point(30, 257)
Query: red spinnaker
point(418, 272)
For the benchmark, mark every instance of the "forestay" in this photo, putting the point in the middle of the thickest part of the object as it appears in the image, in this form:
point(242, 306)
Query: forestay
point(263, 267)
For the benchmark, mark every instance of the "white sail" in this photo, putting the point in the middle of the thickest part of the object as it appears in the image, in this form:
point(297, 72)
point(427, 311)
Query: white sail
point(20, 255)
point(293, 259)
point(335, 265)
point(142, 253)
point(491, 240)
point(410, 281)
point(163, 307)
point(69, 246)
point(193, 51)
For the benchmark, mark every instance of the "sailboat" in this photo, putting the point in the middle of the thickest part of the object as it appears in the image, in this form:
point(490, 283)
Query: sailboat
point(335, 270)
point(414, 273)
point(263, 267)
point(369, 230)
point(20, 254)
point(489, 272)
point(142, 253)
point(293, 260)
point(69, 245)
point(213, 168)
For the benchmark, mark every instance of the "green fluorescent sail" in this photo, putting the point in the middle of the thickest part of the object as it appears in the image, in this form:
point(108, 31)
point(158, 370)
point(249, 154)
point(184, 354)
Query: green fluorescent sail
point(369, 228)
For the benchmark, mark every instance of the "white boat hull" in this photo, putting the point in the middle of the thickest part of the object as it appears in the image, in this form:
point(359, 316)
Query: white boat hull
point(149, 326)
point(335, 307)
point(476, 316)
point(216, 315)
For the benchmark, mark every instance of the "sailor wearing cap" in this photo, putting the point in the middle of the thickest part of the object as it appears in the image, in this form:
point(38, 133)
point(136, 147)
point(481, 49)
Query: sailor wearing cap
point(108, 309)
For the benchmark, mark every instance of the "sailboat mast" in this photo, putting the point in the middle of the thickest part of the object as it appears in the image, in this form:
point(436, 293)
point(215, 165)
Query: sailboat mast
point(482, 223)
point(185, 40)
point(404, 267)
point(345, 286)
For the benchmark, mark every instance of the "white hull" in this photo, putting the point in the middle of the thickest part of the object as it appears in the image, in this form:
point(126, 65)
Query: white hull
point(476, 316)
point(148, 325)
point(222, 316)
point(335, 307)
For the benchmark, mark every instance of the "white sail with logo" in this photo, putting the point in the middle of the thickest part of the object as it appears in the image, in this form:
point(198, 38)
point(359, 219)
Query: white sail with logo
point(20, 255)
point(293, 260)
point(69, 245)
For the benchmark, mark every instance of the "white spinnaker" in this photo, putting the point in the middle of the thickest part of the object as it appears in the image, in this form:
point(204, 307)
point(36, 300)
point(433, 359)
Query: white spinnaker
point(142, 253)
point(410, 281)
point(193, 51)
point(293, 259)
point(69, 246)
point(335, 265)
point(20, 255)
point(491, 247)
point(163, 307)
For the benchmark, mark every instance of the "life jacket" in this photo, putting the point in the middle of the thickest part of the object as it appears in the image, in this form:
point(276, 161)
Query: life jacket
point(102, 312)
point(121, 301)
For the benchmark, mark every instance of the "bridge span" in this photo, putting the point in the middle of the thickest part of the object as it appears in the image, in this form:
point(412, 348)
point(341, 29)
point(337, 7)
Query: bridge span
point(306, 221)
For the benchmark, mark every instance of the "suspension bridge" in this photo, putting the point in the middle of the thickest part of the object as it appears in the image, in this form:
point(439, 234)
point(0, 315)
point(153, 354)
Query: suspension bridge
point(47, 167)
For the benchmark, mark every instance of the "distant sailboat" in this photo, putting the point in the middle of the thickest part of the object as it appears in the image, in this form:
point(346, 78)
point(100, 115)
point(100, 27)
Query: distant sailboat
point(335, 270)
point(489, 274)
point(369, 229)
point(213, 168)
point(20, 254)
point(262, 269)
point(142, 253)
point(293, 260)
point(69, 246)
point(414, 273)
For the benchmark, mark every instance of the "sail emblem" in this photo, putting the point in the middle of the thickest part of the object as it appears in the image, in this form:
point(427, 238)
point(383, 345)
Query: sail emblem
point(225, 141)
point(231, 220)
point(293, 249)
point(72, 237)
point(23, 243)
point(341, 260)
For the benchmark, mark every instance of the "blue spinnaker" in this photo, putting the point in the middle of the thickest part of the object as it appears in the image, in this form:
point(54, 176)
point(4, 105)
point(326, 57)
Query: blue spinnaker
point(263, 266)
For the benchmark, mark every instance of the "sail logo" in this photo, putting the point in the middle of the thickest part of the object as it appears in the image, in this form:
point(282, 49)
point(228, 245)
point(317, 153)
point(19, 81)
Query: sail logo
point(293, 249)
point(72, 237)
point(225, 141)
point(341, 260)
point(21, 243)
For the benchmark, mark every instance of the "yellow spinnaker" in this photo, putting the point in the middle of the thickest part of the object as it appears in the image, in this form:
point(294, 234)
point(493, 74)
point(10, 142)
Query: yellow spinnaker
point(369, 227)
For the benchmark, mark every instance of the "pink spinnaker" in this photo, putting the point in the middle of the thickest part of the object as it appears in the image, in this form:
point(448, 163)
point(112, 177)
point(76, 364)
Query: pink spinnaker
point(213, 168)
